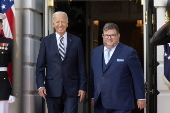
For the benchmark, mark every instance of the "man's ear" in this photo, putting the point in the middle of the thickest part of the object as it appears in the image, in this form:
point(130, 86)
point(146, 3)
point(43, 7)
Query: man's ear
point(67, 24)
point(119, 35)
point(102, 36)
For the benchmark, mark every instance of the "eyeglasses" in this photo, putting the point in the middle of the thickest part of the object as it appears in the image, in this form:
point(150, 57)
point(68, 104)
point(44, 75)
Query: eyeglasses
point(62, 22)
point(109, 36)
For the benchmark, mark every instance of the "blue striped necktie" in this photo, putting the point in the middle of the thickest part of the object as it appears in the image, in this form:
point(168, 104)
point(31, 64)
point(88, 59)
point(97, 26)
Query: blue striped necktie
point(61, 48)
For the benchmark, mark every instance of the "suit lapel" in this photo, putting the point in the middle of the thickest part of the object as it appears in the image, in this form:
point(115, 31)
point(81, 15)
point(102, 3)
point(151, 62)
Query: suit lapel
point(54, 43)
point(69, 42)
point(114, 55)
point(101, 57)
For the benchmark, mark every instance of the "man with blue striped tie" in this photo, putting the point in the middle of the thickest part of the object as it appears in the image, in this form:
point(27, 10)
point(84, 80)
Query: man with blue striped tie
point(61, 55)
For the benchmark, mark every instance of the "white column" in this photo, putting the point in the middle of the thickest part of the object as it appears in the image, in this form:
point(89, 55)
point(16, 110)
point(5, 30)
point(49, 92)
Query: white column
point(32, 32)
point(164, 96)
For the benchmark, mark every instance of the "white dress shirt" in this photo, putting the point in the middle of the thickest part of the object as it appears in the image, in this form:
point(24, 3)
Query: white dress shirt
point(111, 51)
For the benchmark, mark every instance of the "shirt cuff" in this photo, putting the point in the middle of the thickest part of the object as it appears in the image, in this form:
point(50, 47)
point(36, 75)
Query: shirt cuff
point(40, 87)
point(141, 99)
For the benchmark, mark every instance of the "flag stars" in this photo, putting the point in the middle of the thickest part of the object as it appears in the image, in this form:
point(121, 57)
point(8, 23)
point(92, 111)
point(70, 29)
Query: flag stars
point(165, 54)
point(3, 6)
point(169, 58)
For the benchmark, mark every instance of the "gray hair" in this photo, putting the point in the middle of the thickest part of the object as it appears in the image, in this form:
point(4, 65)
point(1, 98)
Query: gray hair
point(109, 26)
point(60, 12)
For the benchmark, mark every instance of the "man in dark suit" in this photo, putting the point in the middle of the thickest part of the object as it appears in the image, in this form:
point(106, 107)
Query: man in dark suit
point(60, 70)
point(116, 75)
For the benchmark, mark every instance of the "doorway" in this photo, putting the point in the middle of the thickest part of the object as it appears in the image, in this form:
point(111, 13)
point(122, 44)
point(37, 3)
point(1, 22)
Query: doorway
point(86, 20)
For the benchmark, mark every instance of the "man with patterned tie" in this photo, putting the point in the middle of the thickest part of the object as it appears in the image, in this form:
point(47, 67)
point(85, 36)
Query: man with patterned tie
point(60, 70)
point(116, 75)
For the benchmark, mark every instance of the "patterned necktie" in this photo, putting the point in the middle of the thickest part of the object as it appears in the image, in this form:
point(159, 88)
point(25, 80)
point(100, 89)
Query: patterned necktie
point(107, 56)
point(61, 48)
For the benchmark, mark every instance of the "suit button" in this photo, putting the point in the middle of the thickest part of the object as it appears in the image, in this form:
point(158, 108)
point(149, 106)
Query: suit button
point(4, 78)
point(102, 77)
point(2, 52)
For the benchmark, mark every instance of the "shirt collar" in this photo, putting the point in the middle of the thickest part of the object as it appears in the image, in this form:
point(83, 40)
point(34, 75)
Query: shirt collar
point(58, 36)
point(112, 48)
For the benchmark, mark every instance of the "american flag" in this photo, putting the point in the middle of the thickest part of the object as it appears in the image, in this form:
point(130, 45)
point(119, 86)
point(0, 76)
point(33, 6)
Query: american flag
point(7, 8)
point(167, 61)
point(166, 77)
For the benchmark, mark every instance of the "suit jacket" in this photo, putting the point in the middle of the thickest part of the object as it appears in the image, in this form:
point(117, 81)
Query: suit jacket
point(69, 74)
point(162, 36)
point(120, 82)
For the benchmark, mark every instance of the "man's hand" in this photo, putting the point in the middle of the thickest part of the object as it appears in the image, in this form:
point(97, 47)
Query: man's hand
point(92, 101)
point(81, 94)
point(42, 92)
point(141, 104)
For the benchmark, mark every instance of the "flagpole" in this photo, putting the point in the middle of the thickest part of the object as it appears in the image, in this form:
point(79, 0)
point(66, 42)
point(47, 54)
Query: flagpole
point(18, 62)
